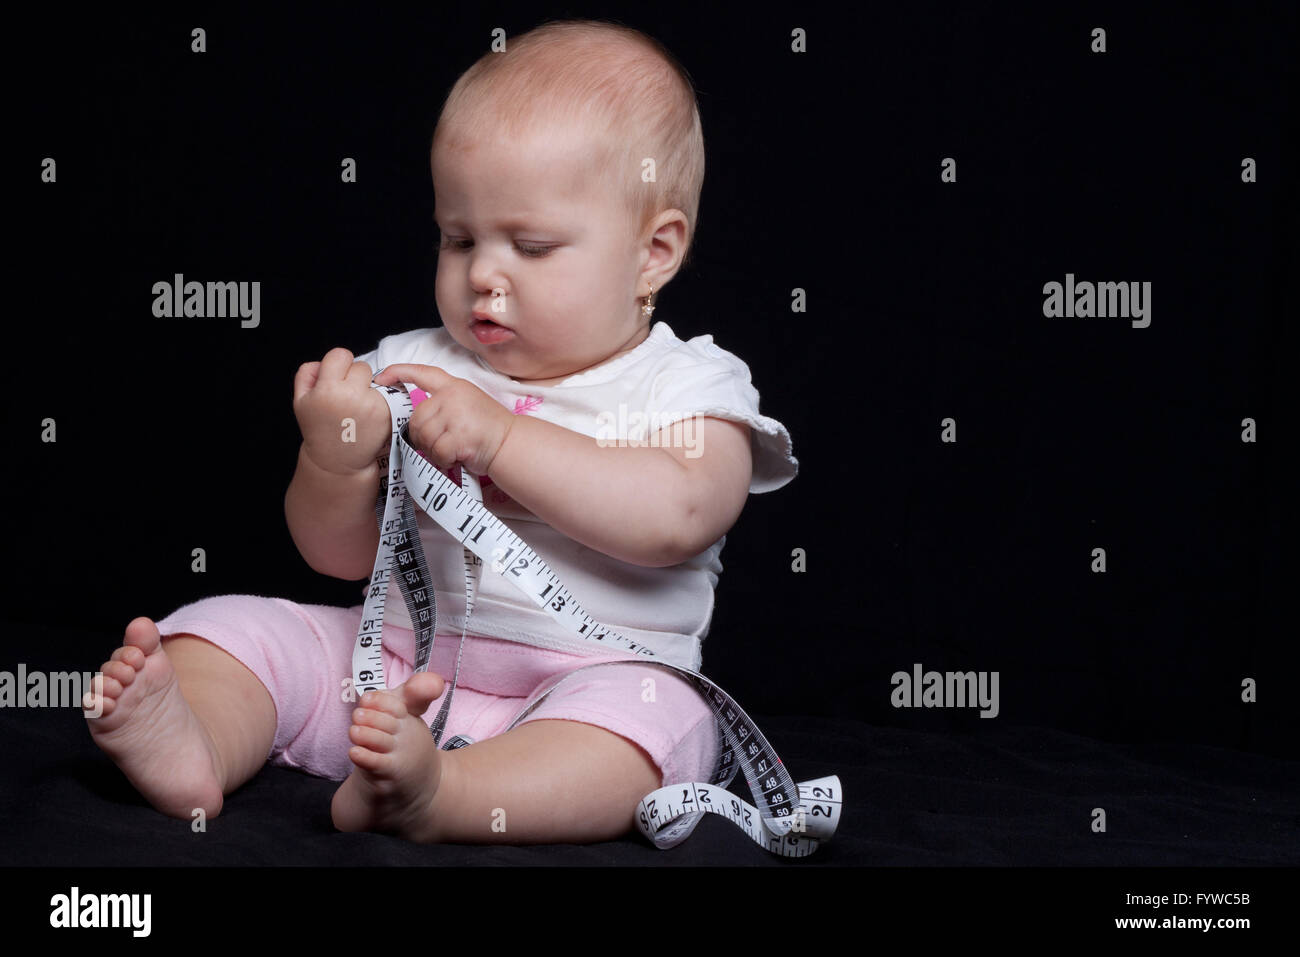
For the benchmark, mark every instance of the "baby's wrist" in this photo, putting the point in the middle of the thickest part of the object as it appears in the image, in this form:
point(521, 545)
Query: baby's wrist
point(505, 434)
point(337, 469)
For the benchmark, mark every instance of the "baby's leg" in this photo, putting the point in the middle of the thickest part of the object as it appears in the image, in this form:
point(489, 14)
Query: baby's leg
point(555, 782)
point(549, 781)
point(184, 720)
point(572, 772)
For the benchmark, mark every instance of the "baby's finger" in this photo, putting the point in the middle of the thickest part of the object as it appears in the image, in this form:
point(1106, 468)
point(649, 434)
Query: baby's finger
point(428, 378)
point(359, 371)
point(335, 365)
point(305, 379)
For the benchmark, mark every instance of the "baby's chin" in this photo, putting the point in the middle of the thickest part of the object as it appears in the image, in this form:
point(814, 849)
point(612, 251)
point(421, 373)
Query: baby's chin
point(520, 368)
point(520, 371)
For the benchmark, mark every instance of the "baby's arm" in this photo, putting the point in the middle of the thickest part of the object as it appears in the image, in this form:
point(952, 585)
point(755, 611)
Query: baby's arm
point(640, 504)
point(331, 518)
point(330, 504)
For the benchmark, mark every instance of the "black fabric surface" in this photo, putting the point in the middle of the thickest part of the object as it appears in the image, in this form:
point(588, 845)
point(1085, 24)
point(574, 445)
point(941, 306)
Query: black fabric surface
point(1011, 795)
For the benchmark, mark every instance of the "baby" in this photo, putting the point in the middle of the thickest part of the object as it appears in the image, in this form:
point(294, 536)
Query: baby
point(567, 172)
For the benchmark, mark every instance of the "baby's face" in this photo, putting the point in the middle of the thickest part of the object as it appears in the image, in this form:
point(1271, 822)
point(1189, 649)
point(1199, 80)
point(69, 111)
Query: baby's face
point(540, 244)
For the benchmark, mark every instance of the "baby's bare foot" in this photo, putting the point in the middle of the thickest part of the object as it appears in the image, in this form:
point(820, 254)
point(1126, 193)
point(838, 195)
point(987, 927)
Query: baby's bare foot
point(149, 730)
point(399, 767)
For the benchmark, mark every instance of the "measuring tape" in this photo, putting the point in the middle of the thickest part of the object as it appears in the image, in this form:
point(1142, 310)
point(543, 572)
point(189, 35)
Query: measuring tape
point(788, 819)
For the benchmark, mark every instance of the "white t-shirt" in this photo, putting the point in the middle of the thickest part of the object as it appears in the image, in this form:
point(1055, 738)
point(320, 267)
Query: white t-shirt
point(658, 382)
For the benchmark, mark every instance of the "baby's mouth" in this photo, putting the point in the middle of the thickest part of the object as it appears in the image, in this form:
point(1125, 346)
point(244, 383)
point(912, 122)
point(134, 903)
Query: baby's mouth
point(487, 331)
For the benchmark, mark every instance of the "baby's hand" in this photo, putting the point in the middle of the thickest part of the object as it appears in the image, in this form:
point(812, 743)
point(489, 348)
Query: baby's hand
point(327, 392)
point(458, 423)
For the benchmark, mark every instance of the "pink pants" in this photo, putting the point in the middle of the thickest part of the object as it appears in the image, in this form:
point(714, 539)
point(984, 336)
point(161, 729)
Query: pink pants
point(303, 655)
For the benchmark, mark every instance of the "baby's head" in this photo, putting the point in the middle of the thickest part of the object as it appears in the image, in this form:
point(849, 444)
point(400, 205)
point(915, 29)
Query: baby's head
point(567, 173)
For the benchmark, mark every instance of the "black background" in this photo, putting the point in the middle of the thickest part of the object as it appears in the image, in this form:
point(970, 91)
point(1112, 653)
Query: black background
point(924, 302)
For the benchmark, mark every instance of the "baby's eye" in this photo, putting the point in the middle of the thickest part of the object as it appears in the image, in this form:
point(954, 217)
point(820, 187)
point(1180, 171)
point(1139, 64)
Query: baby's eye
point(535, 252)
point(532, 252)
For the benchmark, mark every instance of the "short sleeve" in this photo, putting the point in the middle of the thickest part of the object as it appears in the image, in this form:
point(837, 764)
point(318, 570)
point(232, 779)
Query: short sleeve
point(370, 358)
point(417, 345)
point(702, 378)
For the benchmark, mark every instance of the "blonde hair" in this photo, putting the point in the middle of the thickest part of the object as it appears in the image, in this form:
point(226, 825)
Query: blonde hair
point(623, 86)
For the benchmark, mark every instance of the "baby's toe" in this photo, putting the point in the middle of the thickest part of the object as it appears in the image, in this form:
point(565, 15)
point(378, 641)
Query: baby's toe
point(372, 739)
point(105, 685)
point(130, 655)
point(420, 691)
point(375, 762)
point(380, 720)
point(142, 633)
point(97, 704)
point(120, 671)
point(384, 701)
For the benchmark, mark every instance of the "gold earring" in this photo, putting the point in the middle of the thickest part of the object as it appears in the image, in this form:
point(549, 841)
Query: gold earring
point(647, 306)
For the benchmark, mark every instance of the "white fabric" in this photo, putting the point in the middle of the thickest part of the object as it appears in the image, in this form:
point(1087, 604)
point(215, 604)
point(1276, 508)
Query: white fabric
point(667, 609)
